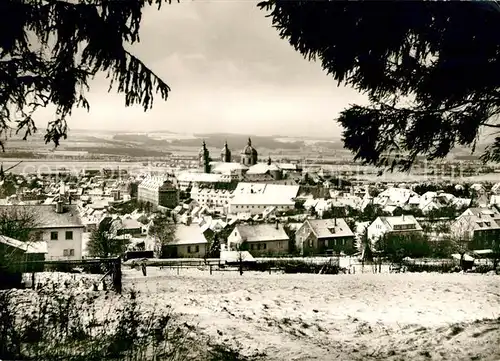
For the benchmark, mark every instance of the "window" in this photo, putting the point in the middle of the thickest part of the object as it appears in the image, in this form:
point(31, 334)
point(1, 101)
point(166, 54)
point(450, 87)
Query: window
point(54, 236)
point(71, 252)
point(69, 235)
point(197, 248)
point(65, 252)
point(251, 246)
point(264, 246)
point(189, 249)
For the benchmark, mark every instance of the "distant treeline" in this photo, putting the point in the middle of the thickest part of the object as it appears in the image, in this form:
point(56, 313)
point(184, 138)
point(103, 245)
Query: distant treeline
point(121, 151)
point(140, 138)
point(20, 154)
point(237, 142)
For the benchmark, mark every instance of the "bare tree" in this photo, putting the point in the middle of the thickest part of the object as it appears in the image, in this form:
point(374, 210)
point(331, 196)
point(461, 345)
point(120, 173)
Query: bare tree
point(241, 249)
point(19, 223)
point(162, 229)
point(462, 234)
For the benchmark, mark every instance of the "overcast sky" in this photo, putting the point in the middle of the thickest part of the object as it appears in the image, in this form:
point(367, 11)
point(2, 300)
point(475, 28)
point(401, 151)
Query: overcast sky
point(229, 72)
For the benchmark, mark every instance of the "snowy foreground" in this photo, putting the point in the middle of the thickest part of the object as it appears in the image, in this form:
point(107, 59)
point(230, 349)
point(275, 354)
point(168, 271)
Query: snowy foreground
point(325, 317)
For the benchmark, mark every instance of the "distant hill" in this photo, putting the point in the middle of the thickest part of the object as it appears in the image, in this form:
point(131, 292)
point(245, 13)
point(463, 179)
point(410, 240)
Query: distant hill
point(238, 141)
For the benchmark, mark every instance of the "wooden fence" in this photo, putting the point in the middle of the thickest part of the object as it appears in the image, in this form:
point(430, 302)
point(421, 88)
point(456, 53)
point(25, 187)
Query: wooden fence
point(109, 267)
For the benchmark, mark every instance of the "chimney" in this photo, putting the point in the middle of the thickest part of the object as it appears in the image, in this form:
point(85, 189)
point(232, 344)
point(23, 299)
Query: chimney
point(59, 207)
point(335, 222)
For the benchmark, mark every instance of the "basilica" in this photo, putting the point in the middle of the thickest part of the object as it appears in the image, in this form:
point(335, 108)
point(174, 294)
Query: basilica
point(248, 156)
point(248, 168)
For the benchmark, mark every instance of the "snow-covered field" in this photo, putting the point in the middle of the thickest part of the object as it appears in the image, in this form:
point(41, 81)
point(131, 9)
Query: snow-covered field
point(324, 317)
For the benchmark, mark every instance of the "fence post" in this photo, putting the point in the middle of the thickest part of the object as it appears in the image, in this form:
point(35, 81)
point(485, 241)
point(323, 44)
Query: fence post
point(117, 275)
point(210, 270)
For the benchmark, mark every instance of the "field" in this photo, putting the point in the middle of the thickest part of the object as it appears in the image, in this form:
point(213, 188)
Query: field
point(346, 317)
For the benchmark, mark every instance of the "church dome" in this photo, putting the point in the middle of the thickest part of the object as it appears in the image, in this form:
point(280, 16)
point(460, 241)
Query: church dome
point(249, 150)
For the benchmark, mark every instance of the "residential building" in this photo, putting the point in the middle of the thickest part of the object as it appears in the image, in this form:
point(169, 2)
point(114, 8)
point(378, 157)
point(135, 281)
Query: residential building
point(189, 242)
point(218, 198)
point(260, 239)
point(254, 198)
point(398, 197)
point(393, 225)
point(321, 236)
point(479, 227)
point(128, 225)
point(60, 227)
point(431, 201)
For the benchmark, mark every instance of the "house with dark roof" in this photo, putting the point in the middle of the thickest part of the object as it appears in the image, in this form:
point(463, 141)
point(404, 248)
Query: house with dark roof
point(325, 236)
point(60, 227)
point(259, 239)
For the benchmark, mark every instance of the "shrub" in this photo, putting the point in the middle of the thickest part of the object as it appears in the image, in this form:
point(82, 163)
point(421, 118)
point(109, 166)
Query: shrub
point(49, 325)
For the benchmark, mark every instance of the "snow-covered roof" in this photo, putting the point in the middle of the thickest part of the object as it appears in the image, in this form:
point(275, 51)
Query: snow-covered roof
point(154, 182)
point(34, 247)
point(395, 196)
point(326, 228)
point(202, 177)
point(264, 194)
point(191, 234)
point(399, 223)
point(227, 167)
point(261, 232)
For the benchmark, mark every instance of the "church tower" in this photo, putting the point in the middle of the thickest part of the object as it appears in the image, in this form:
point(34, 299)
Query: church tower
point(249, 154)
point(225, 154)
point(204, 158)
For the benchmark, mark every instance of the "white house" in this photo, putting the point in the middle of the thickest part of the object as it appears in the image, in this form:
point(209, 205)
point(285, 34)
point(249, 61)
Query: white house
point(261, 238)
point(394, 225)
point(189, 241)
point(61, 228)
point(481, 225)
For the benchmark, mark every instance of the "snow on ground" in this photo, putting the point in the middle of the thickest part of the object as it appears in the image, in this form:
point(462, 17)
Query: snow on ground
point(323, 317)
